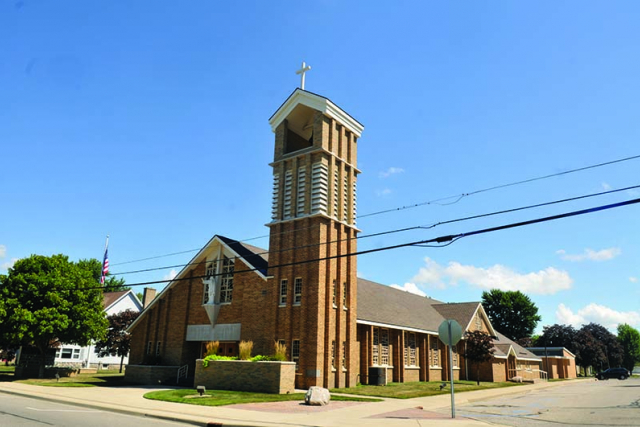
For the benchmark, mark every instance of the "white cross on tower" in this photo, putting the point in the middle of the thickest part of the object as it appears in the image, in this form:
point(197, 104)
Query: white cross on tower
point(301, 71)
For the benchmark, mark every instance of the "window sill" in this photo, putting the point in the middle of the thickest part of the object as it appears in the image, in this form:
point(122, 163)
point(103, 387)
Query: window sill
point(435, 367)
point(412, 367)
point(296, 304)
point(282, 305)
point(335, 306)
point(345, 308)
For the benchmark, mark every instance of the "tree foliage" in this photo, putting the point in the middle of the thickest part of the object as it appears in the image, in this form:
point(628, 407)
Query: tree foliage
point(629, 339)
point(511, 312)
point(111, 284)
point(118, 340)
point(49, 300)
point(558, 336)
point(479, 348)
point(597, 347)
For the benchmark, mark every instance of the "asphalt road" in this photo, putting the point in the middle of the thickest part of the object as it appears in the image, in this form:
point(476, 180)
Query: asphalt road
point(17, 411)
point(583, 403)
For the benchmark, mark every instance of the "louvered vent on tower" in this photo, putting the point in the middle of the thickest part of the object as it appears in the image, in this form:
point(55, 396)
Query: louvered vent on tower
point(319, 188)
point(287, 194)
point(302, 181)
point(274, 202)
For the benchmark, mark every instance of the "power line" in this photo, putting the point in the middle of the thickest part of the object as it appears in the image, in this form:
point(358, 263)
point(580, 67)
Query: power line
point(420, 243)
point(457, 198)
point(423, 227)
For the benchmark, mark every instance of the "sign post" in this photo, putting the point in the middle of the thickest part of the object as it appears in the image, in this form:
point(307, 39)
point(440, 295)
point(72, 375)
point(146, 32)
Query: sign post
point(450, 333)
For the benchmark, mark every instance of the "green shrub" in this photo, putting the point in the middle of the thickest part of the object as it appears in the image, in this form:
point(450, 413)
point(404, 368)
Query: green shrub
point(205, 361)
point(212, 348)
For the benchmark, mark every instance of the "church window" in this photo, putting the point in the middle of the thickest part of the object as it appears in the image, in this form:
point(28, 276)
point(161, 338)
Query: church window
point(226, 287)
point(478, 322)
point(158, 348)
point(288, 178)
point(333, 354)
point(297, 291)
point(149, 347)
point(319, 188)
point(283, 291)
point(295, 352)
point(410, 351)
point(380, 348)
point(455, 357)
point(384, 347)
point(334, 294)
point(276, 192)
point(344, 295)
point(376, 347)
point(344, 355)
point(435, 351)
point(302, 181)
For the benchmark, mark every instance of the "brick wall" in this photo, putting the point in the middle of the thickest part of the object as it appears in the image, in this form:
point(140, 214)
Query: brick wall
point(263, 377)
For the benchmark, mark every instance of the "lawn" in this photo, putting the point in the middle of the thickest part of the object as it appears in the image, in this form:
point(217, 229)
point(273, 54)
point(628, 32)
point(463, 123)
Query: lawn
point(7, 369)
point(418, 389)
point(101, 379)
point(224, 397)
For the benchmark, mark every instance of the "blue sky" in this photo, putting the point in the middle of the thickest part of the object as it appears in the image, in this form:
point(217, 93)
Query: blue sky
point(149, 122)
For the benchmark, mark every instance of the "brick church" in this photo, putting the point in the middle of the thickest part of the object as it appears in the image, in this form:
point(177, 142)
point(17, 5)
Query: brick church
point(303, 291)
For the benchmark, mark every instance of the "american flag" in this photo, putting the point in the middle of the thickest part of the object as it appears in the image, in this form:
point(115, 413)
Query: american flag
point(105, 266)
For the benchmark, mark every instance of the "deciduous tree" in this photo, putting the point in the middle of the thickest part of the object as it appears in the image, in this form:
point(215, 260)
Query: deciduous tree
point(50, 300)
point(558, 336)
point(629, 339)
point(111, 283)
point(511, 312)
point(479, 349)
point(118, 340)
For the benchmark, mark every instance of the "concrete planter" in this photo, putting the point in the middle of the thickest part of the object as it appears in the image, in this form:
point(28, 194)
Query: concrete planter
point(242, 375)
point(151, 375)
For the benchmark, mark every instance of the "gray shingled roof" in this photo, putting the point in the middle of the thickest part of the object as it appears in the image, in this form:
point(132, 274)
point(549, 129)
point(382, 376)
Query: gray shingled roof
point(384, 304)
point(503, 342)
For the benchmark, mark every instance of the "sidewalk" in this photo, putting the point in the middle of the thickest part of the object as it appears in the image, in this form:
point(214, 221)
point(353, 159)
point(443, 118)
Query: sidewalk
point(391, 412)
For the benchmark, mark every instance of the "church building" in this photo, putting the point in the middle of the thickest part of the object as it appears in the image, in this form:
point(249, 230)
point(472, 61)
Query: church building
point(304, 291)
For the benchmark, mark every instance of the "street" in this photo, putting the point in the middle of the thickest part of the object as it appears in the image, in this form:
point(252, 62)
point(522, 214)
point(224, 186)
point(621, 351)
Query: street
point(582, 403)
point(17, 411)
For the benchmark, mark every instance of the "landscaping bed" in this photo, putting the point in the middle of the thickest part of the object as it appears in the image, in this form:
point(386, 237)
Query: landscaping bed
point(419, 389)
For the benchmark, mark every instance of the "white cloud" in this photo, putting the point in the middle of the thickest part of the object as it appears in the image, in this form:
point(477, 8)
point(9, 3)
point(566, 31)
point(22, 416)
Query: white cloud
point(591, 255)
point(412, 288)
point(606, 187)
point(596, 313)
point(390, 171)
point(7, 265)
point(171, 275)
point(633, 279)
point(3, 251)
point(383, 192)
point(361, 275)
point(544, 282)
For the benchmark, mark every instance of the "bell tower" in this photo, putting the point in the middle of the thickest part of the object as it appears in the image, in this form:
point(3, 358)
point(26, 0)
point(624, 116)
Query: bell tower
point(312, 231)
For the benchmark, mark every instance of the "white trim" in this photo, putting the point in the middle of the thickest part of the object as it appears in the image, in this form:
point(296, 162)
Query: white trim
point(312, 216)
point(486, 318)
point(388, 326)
point(318, 103)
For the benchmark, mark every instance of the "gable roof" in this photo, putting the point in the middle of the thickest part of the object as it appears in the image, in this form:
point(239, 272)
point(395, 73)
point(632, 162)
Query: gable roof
point(109, 299)
point(504, 346)
point(316, 102)
point(256, 257)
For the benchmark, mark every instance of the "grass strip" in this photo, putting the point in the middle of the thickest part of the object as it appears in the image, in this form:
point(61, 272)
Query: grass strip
point(419, 389)
point(226, 397)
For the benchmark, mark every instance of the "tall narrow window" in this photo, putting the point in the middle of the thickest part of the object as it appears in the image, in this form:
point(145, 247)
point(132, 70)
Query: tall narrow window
point(295, 353)
point(376, 347)
point(226, 287)
point(283, 292)
point(333, 354)
point(384, 346)
point(410, 353)
point(158, 348)
point(345, 200)
point(478, 322)
point(334, 294)
point(344, 295)
point(297, 291)
point(435, 352)
point(344, 355)
point(336, 190)
point(455, 356)
point(150, 347)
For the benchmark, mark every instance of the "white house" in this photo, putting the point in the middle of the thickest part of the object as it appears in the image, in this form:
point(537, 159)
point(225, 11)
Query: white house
point(86, 357)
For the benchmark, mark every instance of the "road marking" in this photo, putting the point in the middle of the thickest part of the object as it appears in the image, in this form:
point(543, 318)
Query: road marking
point(63, 410)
